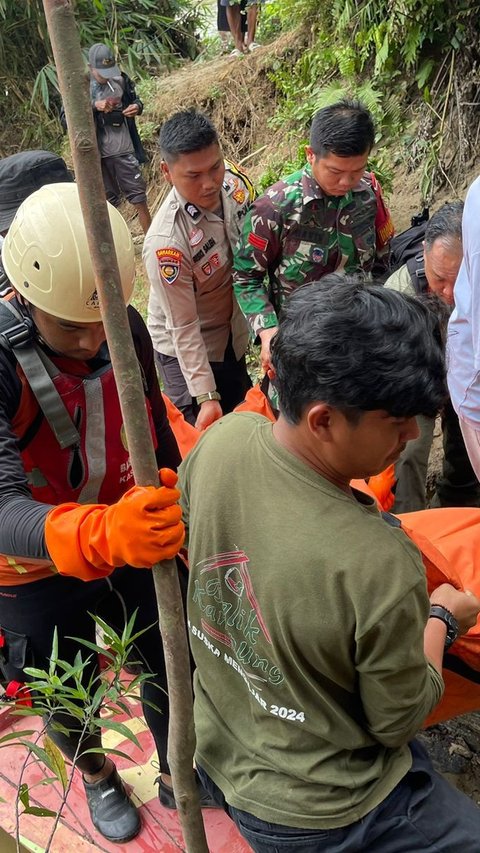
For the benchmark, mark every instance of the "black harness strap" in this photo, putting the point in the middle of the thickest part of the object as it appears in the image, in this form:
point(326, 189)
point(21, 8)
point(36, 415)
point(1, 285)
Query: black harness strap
point(16, 336)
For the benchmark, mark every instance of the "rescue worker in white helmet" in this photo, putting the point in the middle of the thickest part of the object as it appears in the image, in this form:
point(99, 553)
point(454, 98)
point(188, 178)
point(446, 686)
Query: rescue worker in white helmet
point(76, 535)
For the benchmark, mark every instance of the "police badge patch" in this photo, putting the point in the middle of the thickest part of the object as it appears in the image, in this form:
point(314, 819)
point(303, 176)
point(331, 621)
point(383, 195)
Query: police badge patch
point(169, 263)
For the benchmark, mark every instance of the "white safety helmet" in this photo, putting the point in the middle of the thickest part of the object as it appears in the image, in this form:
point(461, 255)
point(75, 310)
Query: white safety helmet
point(46, 256)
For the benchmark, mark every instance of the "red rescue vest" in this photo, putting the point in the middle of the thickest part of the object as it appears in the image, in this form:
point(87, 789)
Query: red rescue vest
point(95, 470)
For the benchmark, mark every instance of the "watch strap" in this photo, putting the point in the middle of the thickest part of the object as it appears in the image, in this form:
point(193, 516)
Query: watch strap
point(437, 611)
point(210, 395)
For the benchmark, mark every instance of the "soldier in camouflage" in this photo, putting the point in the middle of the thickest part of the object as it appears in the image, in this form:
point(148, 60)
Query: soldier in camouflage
point(330, 216)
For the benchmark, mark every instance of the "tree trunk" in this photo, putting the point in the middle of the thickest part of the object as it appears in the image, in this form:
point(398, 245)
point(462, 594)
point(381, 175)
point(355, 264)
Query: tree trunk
point(74, 87)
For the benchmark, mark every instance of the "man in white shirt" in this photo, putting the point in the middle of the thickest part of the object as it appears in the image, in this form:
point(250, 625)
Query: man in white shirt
point(463, 343)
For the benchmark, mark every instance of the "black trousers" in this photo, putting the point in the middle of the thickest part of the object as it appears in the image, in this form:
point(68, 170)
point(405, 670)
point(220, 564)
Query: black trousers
point(30, 612)
point(457, 484)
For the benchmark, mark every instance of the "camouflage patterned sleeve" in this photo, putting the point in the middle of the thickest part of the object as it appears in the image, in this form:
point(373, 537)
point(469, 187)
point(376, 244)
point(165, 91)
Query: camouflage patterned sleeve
point(258, 250)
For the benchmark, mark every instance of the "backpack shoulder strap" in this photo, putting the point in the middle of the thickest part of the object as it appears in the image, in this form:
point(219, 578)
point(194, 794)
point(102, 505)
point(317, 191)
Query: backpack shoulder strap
point(16, 337)
point(416, 268)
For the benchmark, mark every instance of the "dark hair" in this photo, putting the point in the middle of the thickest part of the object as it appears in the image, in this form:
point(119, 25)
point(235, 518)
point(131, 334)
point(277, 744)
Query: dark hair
point(446, 223)
point(358, 347)
point(345, 129)
point(184, 132)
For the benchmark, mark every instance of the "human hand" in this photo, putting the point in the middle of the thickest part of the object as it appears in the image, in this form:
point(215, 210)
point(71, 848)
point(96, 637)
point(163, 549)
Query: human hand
point(210, 411)
point(144, 527)
point(266, 336)
point(103, 106)
point(131, 110)
point(464, 605)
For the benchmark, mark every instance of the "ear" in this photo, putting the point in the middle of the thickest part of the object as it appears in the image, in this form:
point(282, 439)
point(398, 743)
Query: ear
point(166, 171)
point(310, 154)
point(319, 420)
point(271, 373)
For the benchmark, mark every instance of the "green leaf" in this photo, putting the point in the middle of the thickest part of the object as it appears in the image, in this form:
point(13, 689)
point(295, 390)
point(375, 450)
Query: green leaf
point(24, 794)
point(37, 673)
point(15, 736)
point(382, 55)
point(40, 753)
point(58, 727)
point(129, 627)
point(39, 811)
point(54, 652)
point(109, 632)
point(57, 760)
point(93, 646)
point(101, 751)
point(115, 726)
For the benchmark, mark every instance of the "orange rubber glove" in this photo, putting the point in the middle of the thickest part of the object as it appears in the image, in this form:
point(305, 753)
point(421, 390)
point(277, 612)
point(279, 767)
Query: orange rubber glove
point(141, 529)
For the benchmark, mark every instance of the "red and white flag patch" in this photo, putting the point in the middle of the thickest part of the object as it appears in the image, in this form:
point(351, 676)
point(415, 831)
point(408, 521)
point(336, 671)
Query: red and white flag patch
point(257, 242)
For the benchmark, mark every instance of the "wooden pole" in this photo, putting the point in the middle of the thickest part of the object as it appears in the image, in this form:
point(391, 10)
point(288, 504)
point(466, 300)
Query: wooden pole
point(74, 88)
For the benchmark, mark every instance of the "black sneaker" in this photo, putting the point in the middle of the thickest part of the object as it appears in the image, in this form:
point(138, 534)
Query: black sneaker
point(111, 810)
point(167, 797)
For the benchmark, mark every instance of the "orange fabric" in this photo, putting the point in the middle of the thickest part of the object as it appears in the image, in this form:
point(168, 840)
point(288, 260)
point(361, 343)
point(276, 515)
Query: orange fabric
point(141, 529)
point(449, 540)
point(256, 401)
point(185, 434)
point(16, 571)
point(382, 485)
point(461, 696)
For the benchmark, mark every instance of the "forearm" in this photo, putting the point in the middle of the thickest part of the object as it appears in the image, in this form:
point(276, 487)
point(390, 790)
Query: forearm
point(252, 297)
point(22, 526)
point(434, 642)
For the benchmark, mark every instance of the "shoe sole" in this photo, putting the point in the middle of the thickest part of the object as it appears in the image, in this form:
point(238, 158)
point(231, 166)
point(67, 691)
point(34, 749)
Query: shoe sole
point(119, 840)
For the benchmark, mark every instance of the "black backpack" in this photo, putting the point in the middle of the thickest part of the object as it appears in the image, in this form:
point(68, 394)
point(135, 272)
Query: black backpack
point(408, 244)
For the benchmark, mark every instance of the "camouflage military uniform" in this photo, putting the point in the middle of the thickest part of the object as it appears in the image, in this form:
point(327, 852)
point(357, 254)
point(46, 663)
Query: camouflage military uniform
point(296, 234)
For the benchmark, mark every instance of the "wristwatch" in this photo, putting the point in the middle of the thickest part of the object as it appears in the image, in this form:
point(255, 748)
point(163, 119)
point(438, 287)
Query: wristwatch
point(439, 612)
point(210, 395)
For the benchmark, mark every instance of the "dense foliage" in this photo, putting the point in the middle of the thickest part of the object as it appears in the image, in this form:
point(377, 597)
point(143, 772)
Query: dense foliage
point(146, 34)
point(391, 53)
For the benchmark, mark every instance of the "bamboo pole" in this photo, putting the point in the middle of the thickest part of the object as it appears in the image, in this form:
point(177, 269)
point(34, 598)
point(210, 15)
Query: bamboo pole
point(74, 88)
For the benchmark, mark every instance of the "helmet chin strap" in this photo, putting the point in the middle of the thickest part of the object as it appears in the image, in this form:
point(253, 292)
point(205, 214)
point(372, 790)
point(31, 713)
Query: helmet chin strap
point(17, 334)
point(26, 312)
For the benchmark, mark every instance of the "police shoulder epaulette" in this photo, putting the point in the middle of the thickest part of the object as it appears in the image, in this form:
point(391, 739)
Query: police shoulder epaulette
point(231, 167)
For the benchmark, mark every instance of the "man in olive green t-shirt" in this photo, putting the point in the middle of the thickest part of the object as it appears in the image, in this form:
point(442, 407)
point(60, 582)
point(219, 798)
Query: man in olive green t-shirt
point(318, 652)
